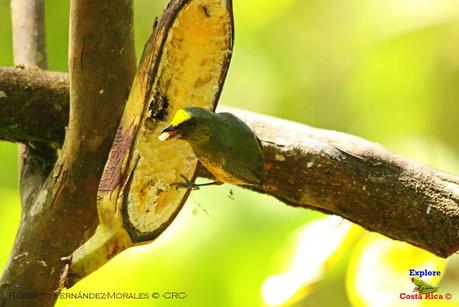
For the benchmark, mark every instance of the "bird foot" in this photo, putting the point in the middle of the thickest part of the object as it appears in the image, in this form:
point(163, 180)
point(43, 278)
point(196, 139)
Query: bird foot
point(187, 184)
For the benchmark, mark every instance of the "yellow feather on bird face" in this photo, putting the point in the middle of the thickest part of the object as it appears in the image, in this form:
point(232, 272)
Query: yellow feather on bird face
point(180, 116)
point(223, 143)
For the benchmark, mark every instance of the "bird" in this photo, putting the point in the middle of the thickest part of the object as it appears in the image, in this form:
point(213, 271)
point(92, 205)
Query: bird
point(223, 143)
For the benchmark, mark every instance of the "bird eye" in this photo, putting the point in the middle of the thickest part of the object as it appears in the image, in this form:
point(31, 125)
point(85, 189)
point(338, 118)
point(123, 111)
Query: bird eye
point(190, 124)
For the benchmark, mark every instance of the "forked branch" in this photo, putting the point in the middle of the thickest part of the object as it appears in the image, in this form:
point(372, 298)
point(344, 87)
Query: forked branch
point(61, 212)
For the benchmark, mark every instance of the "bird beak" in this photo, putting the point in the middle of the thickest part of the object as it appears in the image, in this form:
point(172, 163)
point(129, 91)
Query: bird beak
point(168, 133)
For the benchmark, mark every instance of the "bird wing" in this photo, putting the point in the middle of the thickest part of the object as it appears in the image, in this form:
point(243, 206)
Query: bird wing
point(247, 174)
point(246, 161)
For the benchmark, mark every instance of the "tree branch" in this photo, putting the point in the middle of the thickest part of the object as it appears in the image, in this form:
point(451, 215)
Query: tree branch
point(29, 40)
point(361, 181)
point(61, 214)
point(44, 106)
point(35, 158)
point(323, 170)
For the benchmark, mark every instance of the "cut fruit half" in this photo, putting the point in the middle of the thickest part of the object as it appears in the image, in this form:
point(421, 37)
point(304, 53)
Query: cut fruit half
point(184, 64)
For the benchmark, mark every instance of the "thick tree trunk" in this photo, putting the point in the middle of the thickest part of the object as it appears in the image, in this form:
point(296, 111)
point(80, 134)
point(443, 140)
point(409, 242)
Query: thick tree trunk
point(61, 214)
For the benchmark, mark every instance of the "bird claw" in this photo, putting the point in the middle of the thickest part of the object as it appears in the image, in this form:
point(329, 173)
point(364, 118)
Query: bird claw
point(191, 185)
point(186, 184)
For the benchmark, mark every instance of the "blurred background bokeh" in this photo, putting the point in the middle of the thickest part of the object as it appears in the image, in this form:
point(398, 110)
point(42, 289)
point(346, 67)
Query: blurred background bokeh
point(386, 70)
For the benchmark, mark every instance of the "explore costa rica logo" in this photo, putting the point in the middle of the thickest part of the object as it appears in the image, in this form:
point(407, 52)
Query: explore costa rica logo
point(423, 289)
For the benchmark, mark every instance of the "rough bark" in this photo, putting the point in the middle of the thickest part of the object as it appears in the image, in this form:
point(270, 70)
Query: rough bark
point(44, 106)
point(334, 173)
point(62, 214)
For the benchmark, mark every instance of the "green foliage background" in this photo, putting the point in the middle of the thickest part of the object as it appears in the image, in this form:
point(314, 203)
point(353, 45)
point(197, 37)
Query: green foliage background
point(386, 70)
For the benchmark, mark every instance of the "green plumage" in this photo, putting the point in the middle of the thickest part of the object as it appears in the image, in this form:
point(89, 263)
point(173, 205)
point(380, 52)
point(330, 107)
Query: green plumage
point(224, 144)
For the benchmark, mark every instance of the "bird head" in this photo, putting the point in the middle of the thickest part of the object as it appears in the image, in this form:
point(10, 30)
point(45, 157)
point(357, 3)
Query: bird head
point(190, 124)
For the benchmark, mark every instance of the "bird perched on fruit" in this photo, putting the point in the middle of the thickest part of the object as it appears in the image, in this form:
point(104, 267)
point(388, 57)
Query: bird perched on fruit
point(223, 143)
